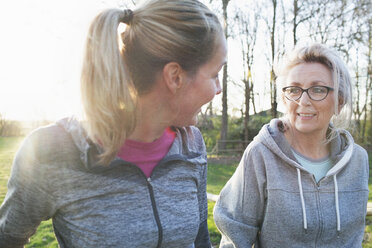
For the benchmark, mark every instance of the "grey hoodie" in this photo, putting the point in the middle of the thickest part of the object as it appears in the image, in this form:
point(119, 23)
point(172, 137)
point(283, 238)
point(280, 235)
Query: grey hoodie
point(55, 175)
point(272, 201)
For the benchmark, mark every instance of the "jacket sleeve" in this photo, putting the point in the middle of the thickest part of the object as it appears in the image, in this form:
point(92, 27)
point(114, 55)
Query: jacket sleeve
point(27, 201)
point(202, 239)
point(239, 210)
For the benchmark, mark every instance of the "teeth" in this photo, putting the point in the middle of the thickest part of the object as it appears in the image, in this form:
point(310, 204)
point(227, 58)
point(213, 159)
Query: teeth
point(306, 115)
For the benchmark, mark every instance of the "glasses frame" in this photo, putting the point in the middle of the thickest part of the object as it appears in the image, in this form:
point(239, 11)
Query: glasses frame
point(307, 92)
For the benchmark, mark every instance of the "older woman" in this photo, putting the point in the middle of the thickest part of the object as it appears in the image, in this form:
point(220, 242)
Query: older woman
point(302, 182)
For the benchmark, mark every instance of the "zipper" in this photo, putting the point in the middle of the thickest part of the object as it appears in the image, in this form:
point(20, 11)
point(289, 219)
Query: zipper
point(156, 214)
point(151, 190)
point(319, 233)
point(152, 197)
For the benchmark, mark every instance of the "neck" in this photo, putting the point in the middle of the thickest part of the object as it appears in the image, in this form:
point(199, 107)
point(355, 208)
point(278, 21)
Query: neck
point(151, 119)
point(310, 145)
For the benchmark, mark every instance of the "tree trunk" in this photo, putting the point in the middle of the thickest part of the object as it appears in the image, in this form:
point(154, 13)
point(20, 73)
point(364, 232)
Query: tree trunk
point(246, 115)
point(295, 13)
point(224, 122)
point(274, 103)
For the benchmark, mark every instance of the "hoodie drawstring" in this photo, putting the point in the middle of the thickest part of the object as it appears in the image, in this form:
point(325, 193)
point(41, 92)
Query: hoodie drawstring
point(337, 204)
point(302, 198)
point(303, 201)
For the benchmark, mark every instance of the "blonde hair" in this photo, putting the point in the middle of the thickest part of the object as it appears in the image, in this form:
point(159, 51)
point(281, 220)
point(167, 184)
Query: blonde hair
point(317, 53)
point(118, 68)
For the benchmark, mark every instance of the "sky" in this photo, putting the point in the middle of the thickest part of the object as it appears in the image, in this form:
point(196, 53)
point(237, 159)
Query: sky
point(41, 48)
point(41, 51)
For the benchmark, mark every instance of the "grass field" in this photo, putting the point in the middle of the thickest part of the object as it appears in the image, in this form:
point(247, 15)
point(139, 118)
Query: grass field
point(218, 174)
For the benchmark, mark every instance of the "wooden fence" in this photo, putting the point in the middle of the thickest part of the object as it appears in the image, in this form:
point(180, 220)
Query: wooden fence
point(232, 147)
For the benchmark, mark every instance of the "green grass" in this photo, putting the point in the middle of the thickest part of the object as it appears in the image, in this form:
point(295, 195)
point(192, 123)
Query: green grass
point(213, 231)
point(367, 243)
point(44, 236)
point(218, 175)
point(8, 147)
point(370, 176)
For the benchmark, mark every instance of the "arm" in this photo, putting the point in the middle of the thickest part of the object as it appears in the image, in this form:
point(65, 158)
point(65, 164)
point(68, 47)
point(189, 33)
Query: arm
point(239, 210)
point(27, 202)
point(202, 239)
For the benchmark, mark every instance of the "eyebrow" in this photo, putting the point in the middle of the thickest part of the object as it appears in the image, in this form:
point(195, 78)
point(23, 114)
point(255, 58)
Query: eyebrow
point(313, 83)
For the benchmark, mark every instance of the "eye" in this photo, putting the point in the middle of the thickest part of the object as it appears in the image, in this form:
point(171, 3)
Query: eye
point(217, 76)
point(293, 90)
point(319, 90)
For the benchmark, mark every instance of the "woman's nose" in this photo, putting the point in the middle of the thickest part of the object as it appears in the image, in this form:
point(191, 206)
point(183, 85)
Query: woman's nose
point(305, 99)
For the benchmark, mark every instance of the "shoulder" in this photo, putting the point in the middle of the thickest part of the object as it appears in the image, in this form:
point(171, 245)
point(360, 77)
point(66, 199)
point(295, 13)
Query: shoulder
point(360, 152)
point(346, 140)
point(39, 157)
point(48, 143)
point(267, 148)
point(256, 156)
point(256, 148)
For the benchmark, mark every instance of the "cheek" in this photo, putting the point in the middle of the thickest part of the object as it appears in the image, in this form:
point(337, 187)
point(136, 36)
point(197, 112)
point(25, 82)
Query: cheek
point(211, 95)
point(329, 108)
point(290, 106)
point(206, 93)
point(328, 112)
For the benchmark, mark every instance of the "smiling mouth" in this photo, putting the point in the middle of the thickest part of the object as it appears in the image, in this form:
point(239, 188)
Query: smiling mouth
point(302, 116)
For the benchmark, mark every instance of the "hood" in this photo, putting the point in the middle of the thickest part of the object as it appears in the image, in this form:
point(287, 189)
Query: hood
point(88, 150)
point(188, 144)
point(272, 136)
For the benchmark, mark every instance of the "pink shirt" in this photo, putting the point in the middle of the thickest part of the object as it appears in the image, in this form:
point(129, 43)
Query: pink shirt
point(147, 155)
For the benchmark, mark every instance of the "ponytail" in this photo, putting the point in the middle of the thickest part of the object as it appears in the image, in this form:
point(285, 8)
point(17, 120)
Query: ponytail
point(108, 94)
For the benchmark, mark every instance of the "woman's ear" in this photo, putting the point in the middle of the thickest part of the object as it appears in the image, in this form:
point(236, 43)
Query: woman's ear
point(341, 103)
point(173, 76)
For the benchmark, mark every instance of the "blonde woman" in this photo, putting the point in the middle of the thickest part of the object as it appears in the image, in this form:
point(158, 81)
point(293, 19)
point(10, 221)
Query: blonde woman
point(302, 182)
point(135, 174)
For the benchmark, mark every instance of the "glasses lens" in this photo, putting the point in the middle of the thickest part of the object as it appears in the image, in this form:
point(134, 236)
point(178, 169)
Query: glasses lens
point(318, 92)
point(293, 92)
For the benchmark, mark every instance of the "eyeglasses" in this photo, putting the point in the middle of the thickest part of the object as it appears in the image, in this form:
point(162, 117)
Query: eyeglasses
point(316, 93)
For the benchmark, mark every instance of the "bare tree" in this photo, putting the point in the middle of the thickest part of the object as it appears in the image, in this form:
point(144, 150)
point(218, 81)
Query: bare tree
point(224, 122)
point(368, 94)
point(272, 29)
point(302, 11)
point(247, 24)
point(357, 111)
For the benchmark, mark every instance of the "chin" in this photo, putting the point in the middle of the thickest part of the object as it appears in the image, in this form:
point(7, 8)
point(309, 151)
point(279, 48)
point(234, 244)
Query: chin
point(185, 123)
point(308, 129)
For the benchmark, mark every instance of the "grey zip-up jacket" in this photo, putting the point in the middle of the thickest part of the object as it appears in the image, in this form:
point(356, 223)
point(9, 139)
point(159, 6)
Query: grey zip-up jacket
point(272, 201)
point(55, 175)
